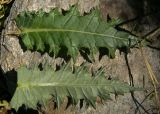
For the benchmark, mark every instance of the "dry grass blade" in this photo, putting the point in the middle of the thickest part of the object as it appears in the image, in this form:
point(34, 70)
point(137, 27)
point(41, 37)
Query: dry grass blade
point(5, 1)
point(153, 78)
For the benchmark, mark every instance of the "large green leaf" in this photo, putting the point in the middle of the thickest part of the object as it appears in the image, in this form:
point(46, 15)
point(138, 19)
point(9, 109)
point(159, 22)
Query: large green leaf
point(54, 30)
point(35, 86)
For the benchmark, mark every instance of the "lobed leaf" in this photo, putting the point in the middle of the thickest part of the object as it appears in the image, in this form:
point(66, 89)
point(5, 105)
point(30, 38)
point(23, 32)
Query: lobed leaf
point(35, 86)
point(40, 31)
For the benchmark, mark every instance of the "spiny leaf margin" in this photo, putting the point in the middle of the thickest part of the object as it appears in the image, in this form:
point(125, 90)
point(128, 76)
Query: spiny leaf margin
point(54, 30)
point(35, 86)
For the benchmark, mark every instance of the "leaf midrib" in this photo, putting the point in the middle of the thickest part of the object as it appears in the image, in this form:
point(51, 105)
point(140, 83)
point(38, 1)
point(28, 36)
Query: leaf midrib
point(26, 30)
point(59, 85)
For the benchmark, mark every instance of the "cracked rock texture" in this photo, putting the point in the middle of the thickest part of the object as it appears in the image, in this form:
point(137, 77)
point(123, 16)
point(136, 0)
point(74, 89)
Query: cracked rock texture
point(12, 57)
